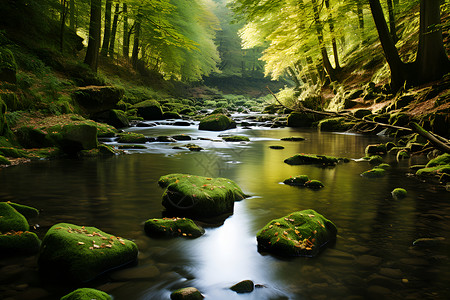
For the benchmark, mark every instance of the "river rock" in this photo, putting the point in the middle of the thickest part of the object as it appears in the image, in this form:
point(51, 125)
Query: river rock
point(173, 227)
point(27, 211)
point(30, 137)
point(181, 123)
point(72, 138)
point(335, 124)
point(379, 149)
point(83, 253)
point(149, 110)
point(299, 180)
point(276, 147)
point(374, 173)
point(303, 119)
point(95, 99)
point(236, 138)
point(20, 242)
point(113, 117)
point(87, 294)
point(131, 138)
point(181, 137)
point(170, 115)
point(245, 286)
point(301, 233)
point(199, 196)
point(11, 219)
point(312, 159)
point(189, 293)
point(216, 122)
point(314, 184)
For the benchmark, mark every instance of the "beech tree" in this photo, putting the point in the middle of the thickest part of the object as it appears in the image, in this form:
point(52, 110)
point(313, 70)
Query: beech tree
point(92, 51)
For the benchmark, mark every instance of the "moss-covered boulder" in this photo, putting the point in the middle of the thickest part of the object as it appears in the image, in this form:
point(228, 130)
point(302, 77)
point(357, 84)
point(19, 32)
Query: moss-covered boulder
point(131, 138)
point(27, 211)
point(19, 242)
point(374, 173)
point(73, 138)
point(87, 294)
point(314, 184)
point(217, 122)
point(181, 137)
point(30, 137)
point(149, 110)
point(443, 159)
point(83, 253)
point(379, 149)
point(170, 115)
point(313, 159)
point(199, 196)
point(11, 219)
point(297, 119)
point(335, 124)
point(193, 147)
point(384, 166)
point(188, 293)
point(399, 193)
point(4, 161)
point(438, 170)
point(245, 286)
point(13, 152)
point(236, 138)
point(301, 233)
point(375, 160)
point(403, 154)
point(173, 227)
point(113, 117)
point(95, 99)
point(299, 180)
point(293, 139)
point(101, 151)
point(8, 66)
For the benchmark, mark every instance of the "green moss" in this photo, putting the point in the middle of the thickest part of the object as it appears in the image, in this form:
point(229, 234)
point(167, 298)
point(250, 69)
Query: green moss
point(4, 161)
point(132, 147)
point(217, 122)
point(437, 170)
point(199, 196)
point(131, 138)
point(299, 180)
point(12, 152)
point(313, 159)
point(86, 294)
point(399, 193)
point(193, 147)
point(20, 242)
point(301, 233)
point(30, 137)
point(83, 253)
point(181, 137)
point(375, 160)
point(171, 115)
point(149, 110)
point(72, 138)
point(374, 173)
point(375, 149)
point(301, 119)
point(11, 219)
point(101, 151)
point(403, 154)
point(236, 138)
point(314, 184)
point(172, 227)
point(384, 166)
point(293, 139)
point(443, 159)
point(335, 124)
point(27, 211)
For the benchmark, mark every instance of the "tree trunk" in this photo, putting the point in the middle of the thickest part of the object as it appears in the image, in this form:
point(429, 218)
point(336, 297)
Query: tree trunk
point(392, 21)
point(91, 58)
point(114, 31)
point(325, 60)
point(431, 61)
point(126, 39)
point(135, 53)
point(63, 24)
point(72, 23)
point(333, 38)
point(107, 30)
point(359, 9)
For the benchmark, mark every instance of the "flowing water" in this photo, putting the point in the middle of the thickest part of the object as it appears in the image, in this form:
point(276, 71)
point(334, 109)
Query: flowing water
point(373, 256)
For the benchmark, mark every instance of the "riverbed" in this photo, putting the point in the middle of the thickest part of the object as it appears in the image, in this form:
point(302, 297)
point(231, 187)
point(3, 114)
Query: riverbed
point(373, 255)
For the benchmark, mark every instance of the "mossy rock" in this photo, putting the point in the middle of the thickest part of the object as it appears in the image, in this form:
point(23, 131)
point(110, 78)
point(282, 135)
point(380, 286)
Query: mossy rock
point(173, 227)
point(132, 147)
point(375, 160)
point(399, 193)
point(83, 253)
point(4, 161)
point(374, 173)
point(379, 149)
point(19, 242)
point(73, 138)
point(8, 66)
point(436, 170)
point(181, 137)
point(30, 137)
point(314, 184)
point(27, 211)
point(114, 117)
point(245, 286)
point(103, 130)
point(312, 159)
point(217, 122)
point(293, 139)
point(299, 180)
point(12, 152)
point(443, 159)
point(301, 233)
point(188, 293)
point(296, 119)
point(131, 138)
point(170, 115)
point(11, 219)
point(101, 151)
point(149, 110)
point(335, 124)
point(193, 147)
point(403, 154)
point(384, 166)
point(199, 196)
point(86, 294)
point(236, 138)
point(95, 99)
point(276, 147)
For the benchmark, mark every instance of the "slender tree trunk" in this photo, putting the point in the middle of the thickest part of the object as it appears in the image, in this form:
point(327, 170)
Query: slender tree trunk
point(333, 37)
point(107, 30)
point(392, 21)
point(91, 58)
point(72, 23)
point(359, 9)
point(63, 24)
point(325, 60)
point(126, 38)
point(137, 32)
point(114, 31)
point(294, 77)
point(432, 61)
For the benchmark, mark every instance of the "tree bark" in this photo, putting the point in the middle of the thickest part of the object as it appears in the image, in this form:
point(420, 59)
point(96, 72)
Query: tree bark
point(135, 53)
point(126, 39)
point(114, 31)
point(107, 30)
point(63, 24)
point(91, 58)
point(432, 61)
point(72, 23)
point(392, 21)
point(333, 37)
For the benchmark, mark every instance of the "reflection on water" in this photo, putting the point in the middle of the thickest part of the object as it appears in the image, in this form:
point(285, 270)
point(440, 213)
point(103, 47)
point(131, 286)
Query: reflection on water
point(373, 255)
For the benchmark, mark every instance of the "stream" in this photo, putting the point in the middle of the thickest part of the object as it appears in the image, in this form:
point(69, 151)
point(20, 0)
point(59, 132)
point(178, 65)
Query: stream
point(373, 256)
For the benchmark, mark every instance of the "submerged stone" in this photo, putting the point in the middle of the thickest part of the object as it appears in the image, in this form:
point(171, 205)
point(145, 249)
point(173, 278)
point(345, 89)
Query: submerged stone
point(399, 193)
point(189, 293)
point(236, 138)
point(443, 159)
point(276, 147)
point(374, 173)
point(83, 253)
point(149, 110)
point(199, 196)
point(132, 138)
point(87, 294)
point(27, 211)
point(173, 227)
point(299, 180)
point(293, 139)
point(375, 160)
point(314, 184)
point(313, 159)
point(245, 286)
point(301, 233)
point(217, 122)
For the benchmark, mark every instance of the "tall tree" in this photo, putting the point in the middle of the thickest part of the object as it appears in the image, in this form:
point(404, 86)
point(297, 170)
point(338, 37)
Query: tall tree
point(114, 31)
point(72, 22)
point(107, 30)
point(126, 38)
point(137, 33)
point(93, 48)
point(392, 21)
